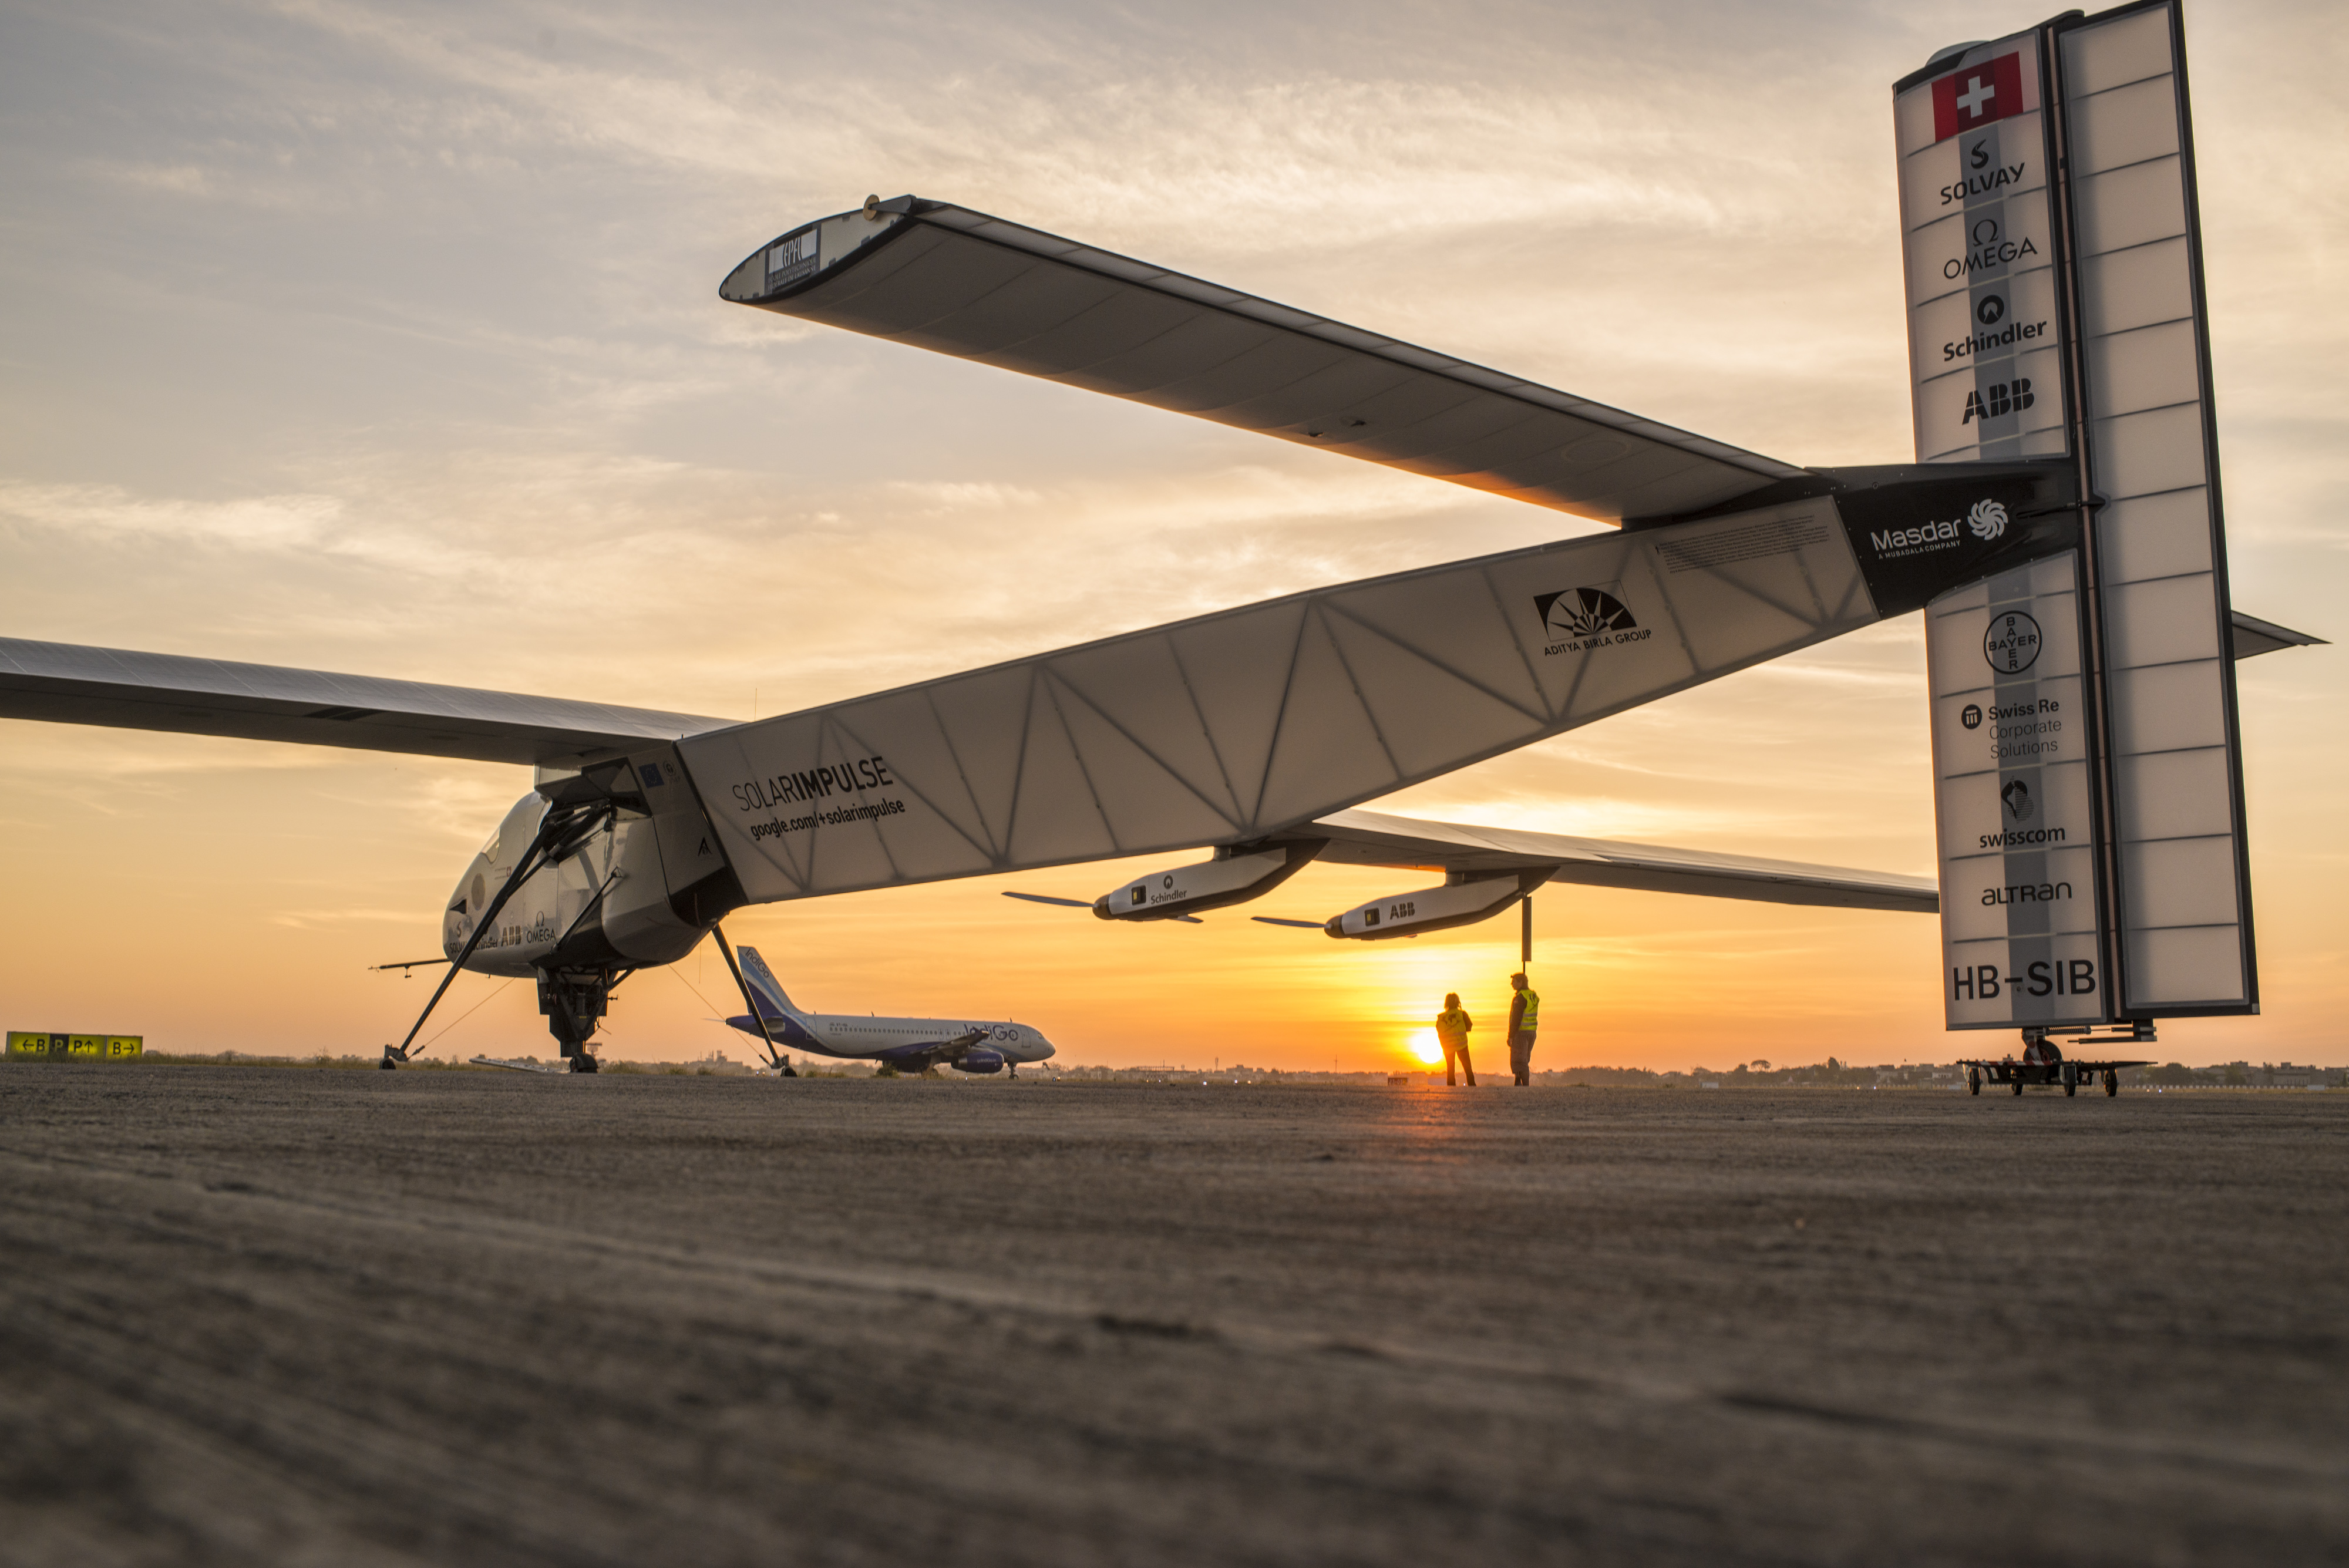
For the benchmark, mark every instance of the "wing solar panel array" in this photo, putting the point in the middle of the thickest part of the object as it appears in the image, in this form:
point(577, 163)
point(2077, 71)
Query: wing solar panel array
point(1252, 722)
point(957, 282)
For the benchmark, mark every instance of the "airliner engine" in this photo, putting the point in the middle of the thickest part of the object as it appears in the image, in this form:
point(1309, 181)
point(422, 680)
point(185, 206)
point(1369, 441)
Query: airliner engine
point(1231, 877)
point(979, 1062)
point(1463, 900)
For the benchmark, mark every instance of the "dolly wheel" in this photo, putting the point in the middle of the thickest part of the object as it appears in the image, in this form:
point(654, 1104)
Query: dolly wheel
point(1973, 1081)
point(2112, 1084)
point(2018, 1087)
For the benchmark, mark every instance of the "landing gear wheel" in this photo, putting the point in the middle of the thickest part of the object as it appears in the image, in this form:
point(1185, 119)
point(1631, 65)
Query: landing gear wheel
point(2112, 1084)
point(1974, 1080)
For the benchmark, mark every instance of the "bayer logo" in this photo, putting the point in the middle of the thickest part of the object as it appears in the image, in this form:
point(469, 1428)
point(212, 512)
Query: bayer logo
point(2013, 642)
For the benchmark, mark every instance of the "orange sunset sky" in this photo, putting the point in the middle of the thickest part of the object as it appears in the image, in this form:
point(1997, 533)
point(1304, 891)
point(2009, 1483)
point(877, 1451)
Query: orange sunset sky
point(386, 339)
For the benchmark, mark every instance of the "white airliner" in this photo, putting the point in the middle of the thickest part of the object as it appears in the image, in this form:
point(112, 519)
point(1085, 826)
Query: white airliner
point(1253, 733)
point(908, 1044)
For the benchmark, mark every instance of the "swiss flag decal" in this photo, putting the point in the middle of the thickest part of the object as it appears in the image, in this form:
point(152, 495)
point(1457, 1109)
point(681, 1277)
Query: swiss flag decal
point(1973, 97)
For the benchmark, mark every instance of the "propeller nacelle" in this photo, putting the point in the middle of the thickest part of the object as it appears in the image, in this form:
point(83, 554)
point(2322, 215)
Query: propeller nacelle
point(1233, 877)
point(1464, 899)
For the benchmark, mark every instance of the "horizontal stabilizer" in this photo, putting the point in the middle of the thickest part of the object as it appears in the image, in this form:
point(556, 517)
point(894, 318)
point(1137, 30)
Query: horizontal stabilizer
point(944, 277)
point(2253, 637)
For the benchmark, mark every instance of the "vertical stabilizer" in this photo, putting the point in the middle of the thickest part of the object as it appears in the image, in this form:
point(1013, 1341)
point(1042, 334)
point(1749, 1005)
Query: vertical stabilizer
point(764, 985)
point(2087, 759)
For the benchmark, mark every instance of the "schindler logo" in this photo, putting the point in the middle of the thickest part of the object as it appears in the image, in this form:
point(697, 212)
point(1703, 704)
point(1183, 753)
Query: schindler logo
point(1585, 619)
point(1999, 399)
point(2011, 644)
point(1990, 311)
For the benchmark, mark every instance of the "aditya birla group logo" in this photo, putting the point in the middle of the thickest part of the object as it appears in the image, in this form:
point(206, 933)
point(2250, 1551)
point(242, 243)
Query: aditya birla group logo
point(1583, 612)
point(1972, 95)
point(1581, 618)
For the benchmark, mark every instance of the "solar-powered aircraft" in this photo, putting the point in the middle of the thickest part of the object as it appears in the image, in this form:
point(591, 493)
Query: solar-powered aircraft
point(2067, 553)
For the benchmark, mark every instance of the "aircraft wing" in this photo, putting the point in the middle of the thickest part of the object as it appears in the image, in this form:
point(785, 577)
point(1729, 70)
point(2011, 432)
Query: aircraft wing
point(946, 278)
point(1375, 839)
point(67, 684)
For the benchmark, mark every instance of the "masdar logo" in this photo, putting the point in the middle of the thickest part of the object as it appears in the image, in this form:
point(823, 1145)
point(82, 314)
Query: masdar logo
point(1988, 519)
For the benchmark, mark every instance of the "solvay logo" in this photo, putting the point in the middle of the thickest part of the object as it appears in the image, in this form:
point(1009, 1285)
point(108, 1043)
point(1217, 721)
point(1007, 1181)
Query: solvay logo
point(1988, 520)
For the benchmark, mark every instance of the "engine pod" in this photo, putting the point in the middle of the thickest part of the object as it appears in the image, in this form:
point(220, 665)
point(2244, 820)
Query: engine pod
point(1456, 903)
point(1230, 878)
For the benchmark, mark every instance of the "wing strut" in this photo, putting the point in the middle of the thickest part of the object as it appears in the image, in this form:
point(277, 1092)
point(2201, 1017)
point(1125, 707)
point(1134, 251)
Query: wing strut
point(750, 1002)
point(553, 828)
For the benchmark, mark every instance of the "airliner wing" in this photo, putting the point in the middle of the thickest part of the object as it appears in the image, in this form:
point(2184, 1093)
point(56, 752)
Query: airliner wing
point(943, 277)
point(72, 685)
point(1375, 839)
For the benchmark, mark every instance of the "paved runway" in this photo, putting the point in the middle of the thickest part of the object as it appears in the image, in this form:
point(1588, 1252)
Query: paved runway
point(347, 1317)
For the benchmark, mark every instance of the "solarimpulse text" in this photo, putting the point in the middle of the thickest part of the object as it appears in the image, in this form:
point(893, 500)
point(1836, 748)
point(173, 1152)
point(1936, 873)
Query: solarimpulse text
point(816, 783)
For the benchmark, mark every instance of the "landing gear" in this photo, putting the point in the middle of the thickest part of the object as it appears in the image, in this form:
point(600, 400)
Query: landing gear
point(2112, 1082)
point(1974, 1080)
point(2071, 1080)
point(572, 1000)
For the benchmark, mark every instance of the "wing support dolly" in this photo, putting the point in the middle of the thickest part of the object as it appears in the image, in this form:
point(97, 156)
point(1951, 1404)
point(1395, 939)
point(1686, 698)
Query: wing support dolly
point(774, 1058)
point(560, 832)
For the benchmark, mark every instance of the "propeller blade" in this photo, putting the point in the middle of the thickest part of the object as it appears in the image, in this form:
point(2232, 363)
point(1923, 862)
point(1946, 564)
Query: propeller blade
point(1187, 919)
point(1048, 899)
point(412, 963)
point(1277, 921)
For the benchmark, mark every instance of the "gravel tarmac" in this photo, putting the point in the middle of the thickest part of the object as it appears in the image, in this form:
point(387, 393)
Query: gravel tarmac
point(271, 1315)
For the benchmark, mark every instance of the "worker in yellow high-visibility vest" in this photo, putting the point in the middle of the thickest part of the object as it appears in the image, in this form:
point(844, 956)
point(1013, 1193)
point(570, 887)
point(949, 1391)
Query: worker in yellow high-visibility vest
point(1525, 1023)
point(1452, 1027)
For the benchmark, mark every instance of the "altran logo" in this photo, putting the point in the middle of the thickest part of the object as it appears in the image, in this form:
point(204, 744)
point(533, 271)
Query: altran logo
point(1988, 519)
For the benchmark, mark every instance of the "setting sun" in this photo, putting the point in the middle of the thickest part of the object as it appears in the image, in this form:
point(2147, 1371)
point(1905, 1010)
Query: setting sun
point(1426, 1047)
